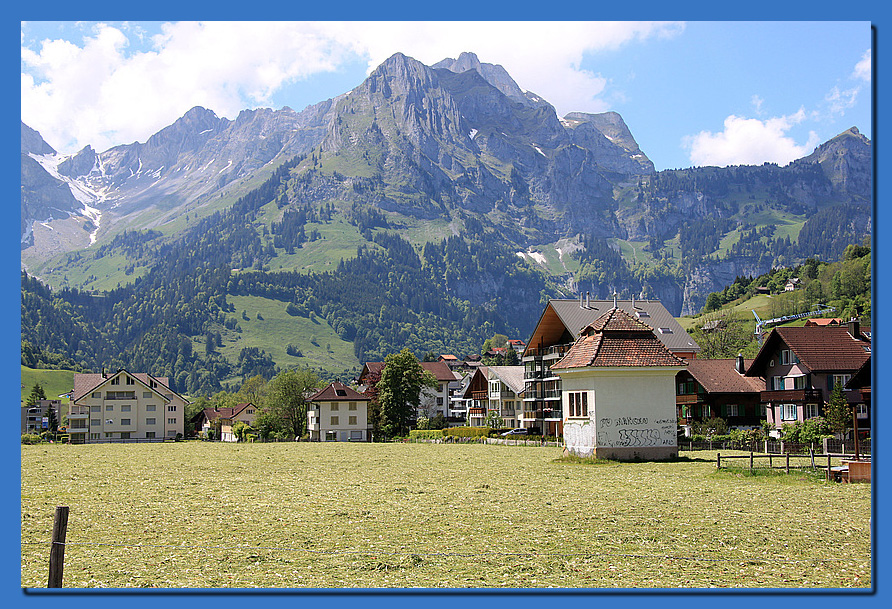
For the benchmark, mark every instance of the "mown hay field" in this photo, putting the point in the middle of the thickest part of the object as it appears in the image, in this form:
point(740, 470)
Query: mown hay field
point(334, 515)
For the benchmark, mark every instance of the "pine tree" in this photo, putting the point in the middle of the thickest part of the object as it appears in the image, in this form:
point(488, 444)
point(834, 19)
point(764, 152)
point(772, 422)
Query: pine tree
point(36, 395)
point(839, 413)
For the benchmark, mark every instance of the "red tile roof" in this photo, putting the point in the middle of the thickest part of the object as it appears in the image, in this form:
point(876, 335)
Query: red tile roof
point(338, 392)
point(440, 370)
point(819, 348)
point(85, 383)
point(618, 339)
point(721, 376)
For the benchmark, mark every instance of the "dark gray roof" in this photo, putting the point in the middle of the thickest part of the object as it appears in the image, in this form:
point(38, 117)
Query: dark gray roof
point(651, 312)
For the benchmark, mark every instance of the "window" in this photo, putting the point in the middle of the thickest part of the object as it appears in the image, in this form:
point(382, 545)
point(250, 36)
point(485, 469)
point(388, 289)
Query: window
point(788, 412)
point(146, 394)
point(94, 436)
point(861, 410)
point(125, 408)
point(777, 383)
point(351, 421)
point(811, 411)
point(799, 382)
point(334, 406)
point(129, 380)
point(150, 421)
point(788, 357)
point(95, 408)
point(250, 411)
point(351, 406)
point(152, 384)
point(842, 379)
point(705, 411)
point(96, 394)
point(334, 420)
point(150, 435)
point(171, 408)
point(356, 435)
point(578, 404)
point(171, 433)
point(125, 421)
point(115, 381)
point(763, 410)
point(171, 421)
point(109, 407)
point(96, 422)
point(732, 410)
point(125, 435)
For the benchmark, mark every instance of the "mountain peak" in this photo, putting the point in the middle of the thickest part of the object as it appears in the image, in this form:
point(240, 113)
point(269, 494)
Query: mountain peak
point(494, 74)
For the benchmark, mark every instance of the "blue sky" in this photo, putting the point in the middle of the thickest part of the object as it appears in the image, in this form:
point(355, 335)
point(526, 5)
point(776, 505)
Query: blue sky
point(692, 93)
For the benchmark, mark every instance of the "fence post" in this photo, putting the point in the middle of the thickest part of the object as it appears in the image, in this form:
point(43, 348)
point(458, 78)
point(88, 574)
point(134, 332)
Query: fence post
point(751, 461)
point(718, 460)
point(788, 463)
point(828, 466)
point(57, 546)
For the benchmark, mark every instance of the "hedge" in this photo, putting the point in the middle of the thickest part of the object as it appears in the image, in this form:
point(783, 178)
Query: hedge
point(466, 432)
point(425, 434)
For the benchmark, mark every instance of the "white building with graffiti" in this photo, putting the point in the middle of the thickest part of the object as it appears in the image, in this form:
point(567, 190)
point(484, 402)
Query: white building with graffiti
point(618, 397)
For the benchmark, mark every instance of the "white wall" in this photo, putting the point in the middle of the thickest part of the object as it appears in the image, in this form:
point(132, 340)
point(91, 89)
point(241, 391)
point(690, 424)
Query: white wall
point(631, 413)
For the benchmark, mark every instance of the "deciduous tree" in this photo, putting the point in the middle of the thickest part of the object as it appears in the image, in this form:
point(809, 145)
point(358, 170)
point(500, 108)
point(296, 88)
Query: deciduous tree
point(399, 391)
point(287, 398)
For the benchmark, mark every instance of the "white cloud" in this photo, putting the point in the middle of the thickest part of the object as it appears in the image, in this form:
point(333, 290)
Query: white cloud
point(103, 92)
point(757, 104)
point(749, 141)
point(862, 68)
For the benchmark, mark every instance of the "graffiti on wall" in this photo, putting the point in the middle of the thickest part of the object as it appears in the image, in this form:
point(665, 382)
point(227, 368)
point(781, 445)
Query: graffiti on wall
point(630, 432)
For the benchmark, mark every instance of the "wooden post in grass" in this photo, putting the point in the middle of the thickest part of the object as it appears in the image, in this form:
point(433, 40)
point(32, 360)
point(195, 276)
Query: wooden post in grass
point(751, 461)
point(788, 463)
point(718, 460)
point(57, 547)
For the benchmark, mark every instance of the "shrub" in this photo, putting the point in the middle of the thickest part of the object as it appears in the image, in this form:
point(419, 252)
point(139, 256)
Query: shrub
point(466, 432)
point(426, 434)
point(31, 438)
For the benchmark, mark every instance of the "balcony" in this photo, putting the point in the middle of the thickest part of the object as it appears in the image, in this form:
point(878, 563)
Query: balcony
point(552, 352)
point(686, 399)
point(547, 414)
point(790, 396)
point(480, 395)
point(78, 412)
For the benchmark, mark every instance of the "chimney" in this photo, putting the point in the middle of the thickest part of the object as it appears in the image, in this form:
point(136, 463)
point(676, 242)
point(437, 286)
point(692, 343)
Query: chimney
point(739, 364)
point(614, 299)
point(580, 299)
point(588, 300)
point(633, 301)
point(854, 325)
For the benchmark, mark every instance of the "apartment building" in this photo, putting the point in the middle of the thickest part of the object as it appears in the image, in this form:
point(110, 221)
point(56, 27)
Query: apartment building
point(338, 413)
point(559, 327)
point(124, 406)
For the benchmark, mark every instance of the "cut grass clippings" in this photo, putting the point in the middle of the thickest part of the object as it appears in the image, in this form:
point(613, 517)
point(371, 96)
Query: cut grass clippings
point(338, 515)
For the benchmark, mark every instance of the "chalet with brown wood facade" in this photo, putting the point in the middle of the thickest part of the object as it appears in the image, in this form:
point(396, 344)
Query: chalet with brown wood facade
point(801, 365)
point(719, 388)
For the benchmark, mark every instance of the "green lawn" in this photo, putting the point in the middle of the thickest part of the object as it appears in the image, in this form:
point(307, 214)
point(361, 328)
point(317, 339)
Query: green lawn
point(286, 515)
point(54, 382)
point(277, 329)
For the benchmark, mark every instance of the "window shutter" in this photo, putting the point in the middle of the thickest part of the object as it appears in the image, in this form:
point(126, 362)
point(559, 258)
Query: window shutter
point(724, 410)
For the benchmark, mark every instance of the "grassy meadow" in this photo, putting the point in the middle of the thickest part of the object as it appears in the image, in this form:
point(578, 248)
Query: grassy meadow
point(335, 515)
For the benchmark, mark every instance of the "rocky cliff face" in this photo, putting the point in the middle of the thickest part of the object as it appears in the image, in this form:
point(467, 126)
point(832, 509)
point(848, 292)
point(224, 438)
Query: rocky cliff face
point(459, 141)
